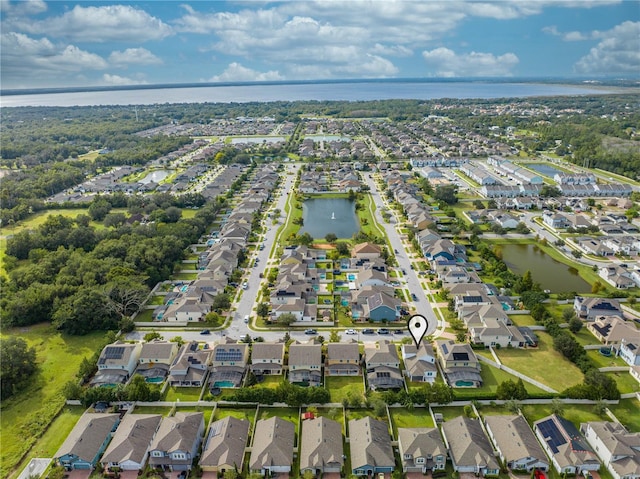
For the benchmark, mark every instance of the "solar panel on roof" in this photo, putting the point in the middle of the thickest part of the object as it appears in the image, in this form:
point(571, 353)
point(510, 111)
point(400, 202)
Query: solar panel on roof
point(461, 356)
point(552, 435)
point(114, 352)
point(445, 349)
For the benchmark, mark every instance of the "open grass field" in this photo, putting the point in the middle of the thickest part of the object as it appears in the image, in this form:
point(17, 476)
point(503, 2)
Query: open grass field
point(491, 379)
point(34, 408)
point(52, 439)
point(344, 387)
point(542, 364)
point(601, 361)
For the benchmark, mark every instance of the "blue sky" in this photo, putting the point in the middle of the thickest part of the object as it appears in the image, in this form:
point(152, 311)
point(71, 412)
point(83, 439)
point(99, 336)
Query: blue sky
point(61, 43)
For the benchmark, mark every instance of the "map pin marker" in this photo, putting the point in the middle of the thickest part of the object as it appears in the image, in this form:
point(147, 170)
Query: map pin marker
point(418, 326)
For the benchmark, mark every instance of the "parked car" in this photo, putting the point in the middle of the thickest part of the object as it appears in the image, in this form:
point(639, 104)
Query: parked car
point(310, 331)
point(351, 331)
point(384, 331)
point(205, 331)
point(414, 297)
point(368, 331)
point(398, 331)
point(245, 285)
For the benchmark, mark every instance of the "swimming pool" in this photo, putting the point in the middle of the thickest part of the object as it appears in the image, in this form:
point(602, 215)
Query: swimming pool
point(155, 380)
point(351, 277)
point(184, 288)
point(223, 384)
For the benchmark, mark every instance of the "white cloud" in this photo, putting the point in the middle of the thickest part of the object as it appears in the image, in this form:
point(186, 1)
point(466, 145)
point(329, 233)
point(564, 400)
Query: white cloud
point(19, 50)
point(447, 63)
point(236, 72)
point(28, 7)
point(117, 23)
point(133, 56)
point(392, 50)
point(617, 52)
point(567, 36)
point(120, 80)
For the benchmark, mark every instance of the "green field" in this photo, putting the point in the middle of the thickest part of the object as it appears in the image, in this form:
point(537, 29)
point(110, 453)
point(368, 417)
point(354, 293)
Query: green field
point(182, 394)
point(491, 379)
point(344, 387)
point(575, 414)
point(417, 417)
point(627, 413)
point(33, 409)
point(542, 363)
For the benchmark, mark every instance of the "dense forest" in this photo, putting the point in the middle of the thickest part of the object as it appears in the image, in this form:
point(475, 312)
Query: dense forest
point(74, 268)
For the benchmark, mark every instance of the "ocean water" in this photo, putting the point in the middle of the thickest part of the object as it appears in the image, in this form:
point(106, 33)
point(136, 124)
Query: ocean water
point(347, 91)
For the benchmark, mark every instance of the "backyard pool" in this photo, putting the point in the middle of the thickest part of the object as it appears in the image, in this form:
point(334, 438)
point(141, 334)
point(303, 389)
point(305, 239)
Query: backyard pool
point(223, 384)
point(351, 277)
point(155, 380)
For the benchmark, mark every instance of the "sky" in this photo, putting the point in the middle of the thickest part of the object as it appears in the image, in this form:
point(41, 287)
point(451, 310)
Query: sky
point(99, 43)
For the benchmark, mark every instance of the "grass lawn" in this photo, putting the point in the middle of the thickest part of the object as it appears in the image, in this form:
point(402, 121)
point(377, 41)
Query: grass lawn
point(522, 319)
point(162, 410)
point(53, 438)
point(402, 417)
point(183, 394)
point(626, 383)
point(450, 412)
point(344, 387)
point(584, 337)
point(574, 413)
point(185, 276)
point(601, 361)
point(207, 411)
point(271, 381)
point(491, 378)
point(286, 413)
point(335, 413)
point(627, 413)
point(542, 363)
point(144, 316)
point(156, 299)
point(493, 411)
point(33, 409)
point(239, 413)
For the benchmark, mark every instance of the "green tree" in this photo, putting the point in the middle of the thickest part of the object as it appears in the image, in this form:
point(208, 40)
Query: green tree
point(263, 310)
point(287, 319)
point(330, 237)
point(151, 336)
point(99, 209)
point(446, 194)
point(342, 248)
point(17, 365)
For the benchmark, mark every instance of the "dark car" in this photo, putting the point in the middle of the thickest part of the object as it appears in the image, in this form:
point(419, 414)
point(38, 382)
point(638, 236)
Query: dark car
point(310, 331)
point(205, 331)
point(368, 331)
point(404, 271)
point(414, 297)
point(398, 331)
point(384, 331)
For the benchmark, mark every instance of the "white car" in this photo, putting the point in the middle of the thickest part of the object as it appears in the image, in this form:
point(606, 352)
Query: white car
point(245, 285)
point(351, 331)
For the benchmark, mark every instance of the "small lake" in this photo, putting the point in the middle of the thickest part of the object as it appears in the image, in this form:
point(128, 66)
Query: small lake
point(319, 138)
point(551, 274)
point(544, 169)
point(156, 176)
point(329, 215)
point(257, 139)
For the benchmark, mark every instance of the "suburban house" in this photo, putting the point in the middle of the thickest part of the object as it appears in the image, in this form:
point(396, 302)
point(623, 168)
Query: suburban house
point(177, 441)
point(343, 359)
point(129, 448)
point(321, 451)
point(592, 308)
point(190, 366)
point(563, 443)
point(370, 446)
point(630, 352)
point(225, 444)
point(459, 363)
point(382, 307)
point(612, 330)
point(366, 251)
point(617, 448)
point(470, 450)
point(87, 441)
point(229, 363)
point(116, 363)
point(383, 366)
point(419, 363)
point(421, 449)
point(155, 359)
point(556, 221)
point(272, 450)
point(267, 358)
point(515, 442)
point(305, 364)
